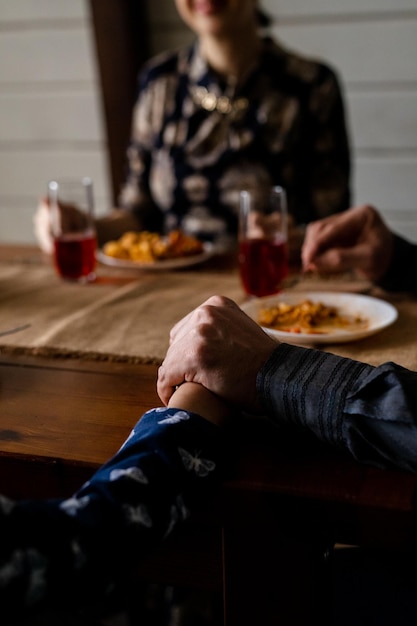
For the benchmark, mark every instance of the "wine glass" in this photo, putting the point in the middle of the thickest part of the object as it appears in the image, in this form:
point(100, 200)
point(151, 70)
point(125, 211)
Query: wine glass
point(263, 240)
point(71, 211)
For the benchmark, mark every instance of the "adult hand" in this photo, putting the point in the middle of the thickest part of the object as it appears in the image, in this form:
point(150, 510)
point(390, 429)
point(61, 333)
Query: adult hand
point(357, 239)
point(220, 347)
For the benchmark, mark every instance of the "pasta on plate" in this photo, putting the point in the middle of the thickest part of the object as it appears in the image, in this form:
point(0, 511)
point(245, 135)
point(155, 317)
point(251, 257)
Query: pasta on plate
point(308, 317)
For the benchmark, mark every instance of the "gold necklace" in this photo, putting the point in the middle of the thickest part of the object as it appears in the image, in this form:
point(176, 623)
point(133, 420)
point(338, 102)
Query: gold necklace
point(210, 102)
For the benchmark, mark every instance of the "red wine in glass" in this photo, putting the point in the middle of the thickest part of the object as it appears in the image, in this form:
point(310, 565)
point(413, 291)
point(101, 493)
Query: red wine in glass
point(75, 255)
point(263, 265)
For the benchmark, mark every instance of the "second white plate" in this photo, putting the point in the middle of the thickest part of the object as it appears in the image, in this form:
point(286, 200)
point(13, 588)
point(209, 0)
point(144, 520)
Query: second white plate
point(379, 314)
point(158, 266)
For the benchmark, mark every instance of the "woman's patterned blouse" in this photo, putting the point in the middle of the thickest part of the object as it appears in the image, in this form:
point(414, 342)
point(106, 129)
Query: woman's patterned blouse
point(197, 140)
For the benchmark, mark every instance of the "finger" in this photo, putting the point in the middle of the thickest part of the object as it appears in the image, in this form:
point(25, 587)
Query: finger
point(169, 377)
point(173, 372)
point(203, 314)
point(341, 259)
point(311, 243)
point(164, 388)
point(179, 329)
point(341, 230)
point(42, 227)
point(362, 259)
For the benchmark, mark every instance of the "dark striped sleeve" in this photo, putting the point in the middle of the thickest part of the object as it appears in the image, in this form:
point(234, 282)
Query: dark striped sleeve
point(370, 411)
point(402, 274)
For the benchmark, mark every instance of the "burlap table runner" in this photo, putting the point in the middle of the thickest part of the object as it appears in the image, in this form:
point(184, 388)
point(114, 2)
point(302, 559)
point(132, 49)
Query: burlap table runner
point(127, 320)
point(130, 320)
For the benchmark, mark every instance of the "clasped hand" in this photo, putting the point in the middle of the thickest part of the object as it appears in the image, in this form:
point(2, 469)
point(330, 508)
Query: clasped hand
point(220, 347)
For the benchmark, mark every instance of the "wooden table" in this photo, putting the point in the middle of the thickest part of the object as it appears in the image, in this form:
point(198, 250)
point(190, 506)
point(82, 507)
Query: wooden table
point(261, 542)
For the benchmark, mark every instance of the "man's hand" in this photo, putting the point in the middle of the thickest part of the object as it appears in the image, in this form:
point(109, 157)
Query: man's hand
point(220, 347)
point(357, 239)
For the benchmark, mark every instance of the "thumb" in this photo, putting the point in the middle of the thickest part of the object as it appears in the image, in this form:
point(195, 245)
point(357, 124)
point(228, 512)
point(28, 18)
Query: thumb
point(41, 226)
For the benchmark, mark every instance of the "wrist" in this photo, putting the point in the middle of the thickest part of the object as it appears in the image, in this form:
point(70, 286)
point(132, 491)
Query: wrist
point(197, 399)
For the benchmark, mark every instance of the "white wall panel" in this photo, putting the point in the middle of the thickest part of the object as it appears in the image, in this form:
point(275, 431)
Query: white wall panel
point(383, 121)
point(27, 10)
point(46, 55)
point(16, 222)
point(390, 183)
point(50, 109)
point(16, 219)
point(26, 173)
point(50, 117)
point(368, 53)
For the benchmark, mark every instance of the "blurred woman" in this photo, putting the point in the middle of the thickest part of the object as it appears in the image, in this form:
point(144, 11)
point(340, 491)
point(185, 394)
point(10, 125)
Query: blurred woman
point(234, 110)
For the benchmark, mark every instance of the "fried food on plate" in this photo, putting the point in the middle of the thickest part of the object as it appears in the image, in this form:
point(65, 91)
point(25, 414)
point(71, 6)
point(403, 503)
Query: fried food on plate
point(149, 247)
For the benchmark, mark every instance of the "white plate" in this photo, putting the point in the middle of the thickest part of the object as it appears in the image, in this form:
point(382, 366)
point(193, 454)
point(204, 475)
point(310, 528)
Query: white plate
point(163, 265)
point(379, 314)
